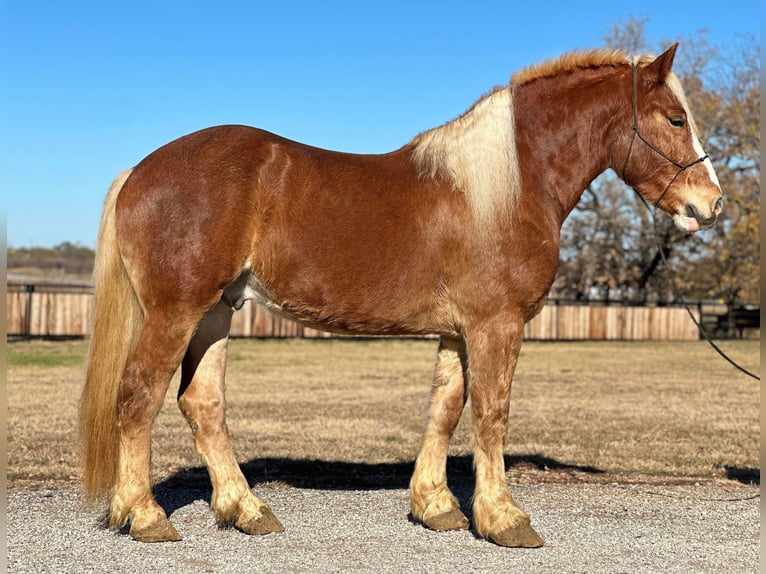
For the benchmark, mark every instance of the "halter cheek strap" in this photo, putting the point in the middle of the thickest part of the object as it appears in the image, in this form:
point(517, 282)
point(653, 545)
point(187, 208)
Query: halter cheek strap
point(681, 166)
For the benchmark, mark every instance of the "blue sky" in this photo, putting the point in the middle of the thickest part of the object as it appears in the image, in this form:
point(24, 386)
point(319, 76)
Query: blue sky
point(90, 88)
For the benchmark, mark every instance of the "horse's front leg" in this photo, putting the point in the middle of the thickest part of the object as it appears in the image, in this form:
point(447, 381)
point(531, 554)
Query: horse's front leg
point(431, 501)
point(493, 352)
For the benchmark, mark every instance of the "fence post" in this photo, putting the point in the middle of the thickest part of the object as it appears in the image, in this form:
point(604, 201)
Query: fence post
point(28, 327)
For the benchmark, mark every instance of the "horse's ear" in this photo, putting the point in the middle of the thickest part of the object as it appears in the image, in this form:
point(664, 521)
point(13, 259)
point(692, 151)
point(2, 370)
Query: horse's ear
point(660, 68)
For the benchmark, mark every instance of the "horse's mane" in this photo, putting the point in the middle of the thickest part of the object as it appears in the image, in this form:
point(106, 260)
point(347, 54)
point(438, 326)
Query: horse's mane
point(476, 152)
point(577, 60)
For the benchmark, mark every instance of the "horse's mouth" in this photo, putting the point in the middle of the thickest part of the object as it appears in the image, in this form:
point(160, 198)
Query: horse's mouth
point(693, 224)
point(693, 219)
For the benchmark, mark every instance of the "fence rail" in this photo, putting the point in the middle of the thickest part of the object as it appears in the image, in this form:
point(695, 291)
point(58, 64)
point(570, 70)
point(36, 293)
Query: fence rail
point(65, 311)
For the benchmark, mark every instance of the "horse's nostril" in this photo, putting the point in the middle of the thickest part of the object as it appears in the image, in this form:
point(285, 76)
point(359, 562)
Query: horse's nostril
point(691, 212)
point(718, 207)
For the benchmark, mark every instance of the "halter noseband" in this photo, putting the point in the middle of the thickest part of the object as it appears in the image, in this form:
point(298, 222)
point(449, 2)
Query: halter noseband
point(681, 166)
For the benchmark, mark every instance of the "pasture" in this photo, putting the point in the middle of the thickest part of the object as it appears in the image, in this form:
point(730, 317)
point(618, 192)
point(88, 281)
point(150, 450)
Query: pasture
point(351, 413)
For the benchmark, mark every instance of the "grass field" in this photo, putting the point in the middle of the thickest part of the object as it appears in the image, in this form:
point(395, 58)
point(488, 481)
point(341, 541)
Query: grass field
point(352, 412)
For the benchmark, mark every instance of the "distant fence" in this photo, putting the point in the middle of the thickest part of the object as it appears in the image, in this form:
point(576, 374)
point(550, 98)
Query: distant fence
point(48, 310)
point(570, 322)
point(64, 311)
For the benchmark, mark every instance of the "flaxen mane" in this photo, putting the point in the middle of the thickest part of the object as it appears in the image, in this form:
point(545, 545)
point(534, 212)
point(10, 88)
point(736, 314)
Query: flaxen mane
point(577, 60)
point(477, 151)
point(597, 59)
point(477, 154)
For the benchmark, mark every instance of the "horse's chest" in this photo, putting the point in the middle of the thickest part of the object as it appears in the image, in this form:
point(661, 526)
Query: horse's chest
point(530, 275)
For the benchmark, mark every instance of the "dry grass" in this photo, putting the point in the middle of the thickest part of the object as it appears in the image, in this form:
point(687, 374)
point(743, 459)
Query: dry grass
point(332, 412)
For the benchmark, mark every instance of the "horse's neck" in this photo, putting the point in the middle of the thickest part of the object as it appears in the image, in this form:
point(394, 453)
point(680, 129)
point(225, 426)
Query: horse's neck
point(564, 128)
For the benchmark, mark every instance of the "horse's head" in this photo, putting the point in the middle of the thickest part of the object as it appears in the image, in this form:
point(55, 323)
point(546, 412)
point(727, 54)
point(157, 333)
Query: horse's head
point(664, 161)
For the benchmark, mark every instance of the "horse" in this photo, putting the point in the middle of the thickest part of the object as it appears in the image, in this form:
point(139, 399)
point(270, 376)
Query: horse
point(455, 234)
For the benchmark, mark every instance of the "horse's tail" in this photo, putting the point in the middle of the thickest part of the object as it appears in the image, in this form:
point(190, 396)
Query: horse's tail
point(117, 318)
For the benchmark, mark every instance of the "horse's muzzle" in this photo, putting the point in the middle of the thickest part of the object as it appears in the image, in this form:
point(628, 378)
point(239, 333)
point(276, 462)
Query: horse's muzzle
point(704, 222)
point(695, 219)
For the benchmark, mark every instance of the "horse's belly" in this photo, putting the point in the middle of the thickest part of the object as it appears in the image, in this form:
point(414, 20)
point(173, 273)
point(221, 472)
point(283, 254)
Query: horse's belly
point(319, 308)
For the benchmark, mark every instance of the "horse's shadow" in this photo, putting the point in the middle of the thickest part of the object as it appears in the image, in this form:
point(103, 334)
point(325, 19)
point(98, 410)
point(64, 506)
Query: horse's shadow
point(189, 485)
point(744, 475)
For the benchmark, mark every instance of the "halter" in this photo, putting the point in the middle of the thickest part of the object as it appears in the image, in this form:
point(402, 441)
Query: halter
point(681, 166)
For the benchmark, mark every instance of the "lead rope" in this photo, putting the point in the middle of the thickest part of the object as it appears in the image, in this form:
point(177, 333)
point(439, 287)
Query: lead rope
point(653, 209)
point(682, 300)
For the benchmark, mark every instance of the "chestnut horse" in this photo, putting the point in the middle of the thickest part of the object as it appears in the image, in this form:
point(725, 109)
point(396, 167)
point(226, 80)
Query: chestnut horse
point(455, 234)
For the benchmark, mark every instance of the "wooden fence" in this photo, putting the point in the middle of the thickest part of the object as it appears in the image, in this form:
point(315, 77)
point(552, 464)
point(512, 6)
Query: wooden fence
point(47, 311)
point(64, 311)
point(599, 322)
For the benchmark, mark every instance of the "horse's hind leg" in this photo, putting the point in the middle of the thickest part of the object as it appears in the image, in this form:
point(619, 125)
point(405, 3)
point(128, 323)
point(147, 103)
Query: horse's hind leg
point(431, 501)
point(201, 399)
point(145, 381)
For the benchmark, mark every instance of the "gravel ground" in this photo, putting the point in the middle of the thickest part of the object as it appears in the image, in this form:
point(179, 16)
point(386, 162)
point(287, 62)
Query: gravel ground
point(587, 528)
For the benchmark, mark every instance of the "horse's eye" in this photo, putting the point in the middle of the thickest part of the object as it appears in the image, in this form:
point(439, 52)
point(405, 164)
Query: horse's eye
point(677, 121)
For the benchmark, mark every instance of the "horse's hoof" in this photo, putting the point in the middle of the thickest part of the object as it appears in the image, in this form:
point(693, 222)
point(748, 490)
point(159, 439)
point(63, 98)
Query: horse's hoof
point(159, 531)
point(451, 520)
point(264, 524)
point(522, 536)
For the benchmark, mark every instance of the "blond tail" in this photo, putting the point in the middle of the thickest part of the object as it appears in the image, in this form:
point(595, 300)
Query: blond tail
point(117, 318)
